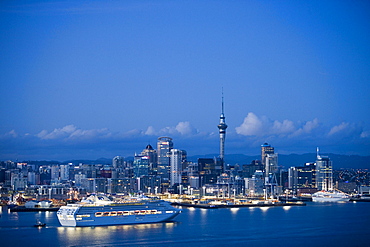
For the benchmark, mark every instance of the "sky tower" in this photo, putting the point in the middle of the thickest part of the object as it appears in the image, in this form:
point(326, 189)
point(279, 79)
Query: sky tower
point(222, 129)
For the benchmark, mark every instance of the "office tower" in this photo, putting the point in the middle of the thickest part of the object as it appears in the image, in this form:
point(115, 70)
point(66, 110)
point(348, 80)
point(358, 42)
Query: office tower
point(265, 150)
point(141, 166)
point(150, 153)
point(164, 146)
point(54, 172)
point(152, 156)
point(176, 162)
point(302, 176)
point(64, 172)
point(209, 169)
point(222, 130)
point(271, 168)
point(118, 162)
point(271, 164)
point(324, 172)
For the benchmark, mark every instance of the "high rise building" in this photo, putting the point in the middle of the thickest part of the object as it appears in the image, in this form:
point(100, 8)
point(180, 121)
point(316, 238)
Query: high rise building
point(209, 169)
point(222, 130)
point(324, 172)
point(265, 150)
point(164, 146)
point(64, 172)
point(152, 157)
point(270, 164)
point(118, 162)
point(141, 166)
point(176, 162)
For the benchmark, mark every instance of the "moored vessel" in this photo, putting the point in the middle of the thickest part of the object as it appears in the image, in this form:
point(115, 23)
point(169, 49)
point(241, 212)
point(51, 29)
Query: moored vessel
point(101, 211)
point(330, 196)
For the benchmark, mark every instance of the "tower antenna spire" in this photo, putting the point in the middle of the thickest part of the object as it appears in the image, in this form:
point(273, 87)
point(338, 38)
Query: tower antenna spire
point(222, 106)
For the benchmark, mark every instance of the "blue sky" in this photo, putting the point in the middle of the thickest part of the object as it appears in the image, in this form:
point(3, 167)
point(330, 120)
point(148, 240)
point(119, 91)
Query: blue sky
point(91, 79)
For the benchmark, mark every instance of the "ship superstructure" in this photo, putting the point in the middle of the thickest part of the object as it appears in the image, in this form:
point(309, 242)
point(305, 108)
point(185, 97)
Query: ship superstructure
point(100, 211)
point(330, 196)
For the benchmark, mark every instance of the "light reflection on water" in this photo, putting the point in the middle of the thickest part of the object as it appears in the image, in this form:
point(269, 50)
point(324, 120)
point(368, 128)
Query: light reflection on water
point(264, 209)
point(324, 225)
point(106, 232)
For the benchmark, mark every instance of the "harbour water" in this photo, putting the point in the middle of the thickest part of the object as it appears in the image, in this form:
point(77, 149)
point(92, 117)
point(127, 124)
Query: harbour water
point(317, 224)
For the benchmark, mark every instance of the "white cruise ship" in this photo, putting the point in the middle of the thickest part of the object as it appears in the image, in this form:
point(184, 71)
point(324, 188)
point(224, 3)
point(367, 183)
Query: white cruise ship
point(100, 211)
point(330, 196)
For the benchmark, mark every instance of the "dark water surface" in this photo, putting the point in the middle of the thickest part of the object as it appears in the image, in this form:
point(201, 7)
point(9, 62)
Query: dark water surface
point(317, 224)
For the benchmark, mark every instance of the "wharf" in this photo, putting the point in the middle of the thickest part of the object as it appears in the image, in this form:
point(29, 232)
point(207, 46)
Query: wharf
point(246, 205)
point(24, 209)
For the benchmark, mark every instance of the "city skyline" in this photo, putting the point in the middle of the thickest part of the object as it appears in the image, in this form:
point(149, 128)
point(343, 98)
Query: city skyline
point(104, 79)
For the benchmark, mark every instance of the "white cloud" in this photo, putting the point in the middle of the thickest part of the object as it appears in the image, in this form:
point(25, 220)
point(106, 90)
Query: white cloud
point(72, 132)
point(12, 133)
point(184, 128)
point(262, 126)
point(150, 131)
point(338, 128)
point(365, 134)
point(57, 133)
point(252, 126)
point(285, 127)
point(307, 128)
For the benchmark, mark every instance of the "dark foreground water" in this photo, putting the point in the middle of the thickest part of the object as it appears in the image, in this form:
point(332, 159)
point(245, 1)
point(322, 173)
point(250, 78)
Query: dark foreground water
point(317, 224)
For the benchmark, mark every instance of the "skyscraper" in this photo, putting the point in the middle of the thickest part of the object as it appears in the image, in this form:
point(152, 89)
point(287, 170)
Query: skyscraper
point(117, 162)
point(152, 155)
point(176, 166)
point(324, 172)
point(222, 130)
point(265, 150)
point(141, 165)
point(164, 146)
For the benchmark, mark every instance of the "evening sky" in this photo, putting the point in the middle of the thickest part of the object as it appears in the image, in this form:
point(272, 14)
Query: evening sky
point(91, 79)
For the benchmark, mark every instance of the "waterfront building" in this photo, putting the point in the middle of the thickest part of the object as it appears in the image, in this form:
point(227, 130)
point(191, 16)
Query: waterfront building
point(208, 170)
point(324, 173)
point(116, 185)
point(149, 184)
point(254, 186)
point(248, 170)
point(270, 163)
point(302, 176)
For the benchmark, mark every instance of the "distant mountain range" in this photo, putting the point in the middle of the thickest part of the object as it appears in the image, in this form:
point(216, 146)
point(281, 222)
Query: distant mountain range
point(339, 161)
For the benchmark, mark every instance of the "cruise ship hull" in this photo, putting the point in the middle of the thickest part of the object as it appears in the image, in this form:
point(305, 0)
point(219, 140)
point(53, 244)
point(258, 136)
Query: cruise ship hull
point(327, 199)
point(116, 214)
